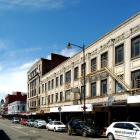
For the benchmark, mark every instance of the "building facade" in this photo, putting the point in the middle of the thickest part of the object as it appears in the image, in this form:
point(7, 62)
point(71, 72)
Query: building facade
point(17, 107)
point(112, 67)
point(10, 98)
point(35, 74)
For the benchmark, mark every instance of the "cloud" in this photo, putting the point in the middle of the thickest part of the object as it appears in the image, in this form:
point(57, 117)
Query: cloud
point(49, 4)
point(14, 79)
point(64, 52)
point(68, 52)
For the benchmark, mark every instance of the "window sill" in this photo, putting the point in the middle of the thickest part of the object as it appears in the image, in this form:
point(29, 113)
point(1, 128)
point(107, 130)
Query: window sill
point(120, 63)
point(136, 57)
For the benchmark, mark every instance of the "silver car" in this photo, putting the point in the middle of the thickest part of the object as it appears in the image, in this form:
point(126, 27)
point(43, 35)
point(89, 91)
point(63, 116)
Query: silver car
point(40, 124)
point(15, 120)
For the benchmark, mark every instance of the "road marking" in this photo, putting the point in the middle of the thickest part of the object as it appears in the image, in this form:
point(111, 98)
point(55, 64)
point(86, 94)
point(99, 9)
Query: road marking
point(13, 128)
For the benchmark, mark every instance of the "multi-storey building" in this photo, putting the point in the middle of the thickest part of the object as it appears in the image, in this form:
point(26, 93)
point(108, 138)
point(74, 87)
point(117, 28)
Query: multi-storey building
point(112, 67)
point(35, 74)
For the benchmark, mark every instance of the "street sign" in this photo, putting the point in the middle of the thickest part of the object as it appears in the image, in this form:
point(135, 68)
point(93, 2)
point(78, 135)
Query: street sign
point(59, 108)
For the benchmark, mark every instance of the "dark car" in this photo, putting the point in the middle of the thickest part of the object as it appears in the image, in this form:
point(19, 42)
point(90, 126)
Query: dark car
point(84, 128)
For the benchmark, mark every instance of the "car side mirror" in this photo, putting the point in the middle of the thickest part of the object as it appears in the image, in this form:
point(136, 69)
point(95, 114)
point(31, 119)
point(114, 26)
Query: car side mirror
point(136, 129)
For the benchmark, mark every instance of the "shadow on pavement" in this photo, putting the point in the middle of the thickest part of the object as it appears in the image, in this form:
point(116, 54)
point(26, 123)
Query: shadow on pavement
point(4, 136)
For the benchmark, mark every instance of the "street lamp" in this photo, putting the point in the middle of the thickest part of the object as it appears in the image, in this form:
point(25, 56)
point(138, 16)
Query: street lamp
point(69, 46)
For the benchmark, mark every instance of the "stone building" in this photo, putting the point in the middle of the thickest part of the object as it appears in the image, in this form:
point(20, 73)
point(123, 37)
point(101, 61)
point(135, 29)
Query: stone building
point(112, 67)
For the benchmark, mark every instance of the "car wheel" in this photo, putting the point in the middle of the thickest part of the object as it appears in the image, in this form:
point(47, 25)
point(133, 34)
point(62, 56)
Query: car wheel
point(110, 136)
point(69, 131)
point(47, 128)
point(54, 129)
point(84, 133)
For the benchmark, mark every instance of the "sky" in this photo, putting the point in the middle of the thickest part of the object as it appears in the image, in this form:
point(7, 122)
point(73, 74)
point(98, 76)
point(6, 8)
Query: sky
point(31, 29)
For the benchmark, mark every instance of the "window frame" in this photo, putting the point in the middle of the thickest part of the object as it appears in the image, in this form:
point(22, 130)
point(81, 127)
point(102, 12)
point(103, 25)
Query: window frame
point(133, 51)
point(118, 49)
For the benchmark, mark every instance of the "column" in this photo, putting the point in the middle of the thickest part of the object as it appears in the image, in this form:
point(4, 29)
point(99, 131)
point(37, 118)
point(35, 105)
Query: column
point(111, 61)
point(127, 61)
point(88, 70)
point(98, 60)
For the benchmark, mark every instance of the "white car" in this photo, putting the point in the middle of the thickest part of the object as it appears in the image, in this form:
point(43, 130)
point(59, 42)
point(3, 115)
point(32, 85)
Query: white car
point(56, 126)
point(40, 123)
point(15, 120)
point(123, 131)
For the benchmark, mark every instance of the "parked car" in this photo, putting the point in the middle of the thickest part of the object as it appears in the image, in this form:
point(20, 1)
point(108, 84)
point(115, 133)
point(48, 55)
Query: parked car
point(15, 120)
point(56, 126)
point(30, 122)
point(123, 131)
point(83, 128)
point(23, 122)
point(40, 124)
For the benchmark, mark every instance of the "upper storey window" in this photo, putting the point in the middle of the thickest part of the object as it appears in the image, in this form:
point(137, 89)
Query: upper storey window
point(68, 77)
point(135, 47)
point(119, 54)
point(104, 59)
point(75, 73)
point(83, 69)
point(93, 64)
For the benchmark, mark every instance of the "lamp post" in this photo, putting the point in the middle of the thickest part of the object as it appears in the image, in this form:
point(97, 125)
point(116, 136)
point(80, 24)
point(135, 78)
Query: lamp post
point(69, 46)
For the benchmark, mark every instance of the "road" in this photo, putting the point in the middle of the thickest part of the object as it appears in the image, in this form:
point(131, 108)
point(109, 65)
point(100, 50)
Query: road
point(9, 131)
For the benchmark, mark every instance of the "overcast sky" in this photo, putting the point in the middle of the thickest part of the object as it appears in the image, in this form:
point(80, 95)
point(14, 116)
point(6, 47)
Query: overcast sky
point(30, 29)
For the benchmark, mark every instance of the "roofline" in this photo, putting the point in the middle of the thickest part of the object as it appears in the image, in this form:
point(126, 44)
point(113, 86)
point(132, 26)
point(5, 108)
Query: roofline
point(107, 34)
point(115, 28)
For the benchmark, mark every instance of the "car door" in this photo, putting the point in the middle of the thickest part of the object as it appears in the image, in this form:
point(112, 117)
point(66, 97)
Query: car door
point(51, 125)
point(129, 131)
point(78, 128)
point(35, 123)
point(117, 130)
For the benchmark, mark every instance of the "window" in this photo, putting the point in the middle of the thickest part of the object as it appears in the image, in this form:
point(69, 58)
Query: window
point(67, 95)
point(119, 54)
point(135, 47)
point(93, 65)
point(45, 86)
point(52, 99)
point(61, 80)
point(48, 99)
point(104, 59)
point(68, 77)
point(42, 87)
point(42, 101)
point(23, 108)
point(49, 85)
point(119, 125)
point(75, 73)
point(18, 107)
point(83, 91)
point(57, 81)
point(118, 87)
point(61, 96)
point(135, 77)
point(83, 69)
point(52, 83)
point(104, 87)
point(93, 89)
point(56, 97)
point(129, 126)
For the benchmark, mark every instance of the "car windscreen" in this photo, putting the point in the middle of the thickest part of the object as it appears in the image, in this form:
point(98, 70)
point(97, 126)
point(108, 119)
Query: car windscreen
point(58, 123)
